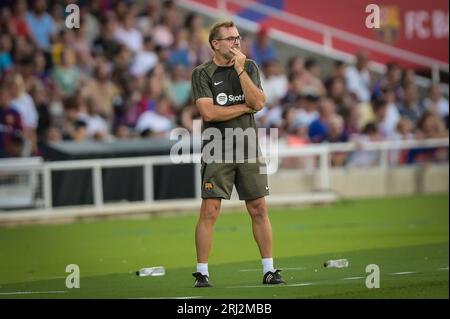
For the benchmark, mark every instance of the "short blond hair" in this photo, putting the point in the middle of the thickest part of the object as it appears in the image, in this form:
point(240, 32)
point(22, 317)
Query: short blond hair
point(214, 32)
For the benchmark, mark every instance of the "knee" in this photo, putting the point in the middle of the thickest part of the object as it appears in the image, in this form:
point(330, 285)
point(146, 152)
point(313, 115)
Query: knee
point(209, 213)
point(257, 210)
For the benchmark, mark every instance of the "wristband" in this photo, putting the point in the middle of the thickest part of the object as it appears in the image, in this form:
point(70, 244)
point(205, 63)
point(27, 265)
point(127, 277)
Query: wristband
point(239, 75)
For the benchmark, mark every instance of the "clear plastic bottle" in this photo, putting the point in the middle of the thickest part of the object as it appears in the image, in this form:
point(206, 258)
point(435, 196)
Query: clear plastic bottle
point(338, 263)
point(152, 271)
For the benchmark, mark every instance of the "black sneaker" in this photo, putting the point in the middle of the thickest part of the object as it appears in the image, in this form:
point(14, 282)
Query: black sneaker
point(273, 278)
point(201, 280)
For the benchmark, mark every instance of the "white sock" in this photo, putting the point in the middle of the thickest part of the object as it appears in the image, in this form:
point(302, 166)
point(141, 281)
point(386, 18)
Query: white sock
point(203, 269)
point(267, 265)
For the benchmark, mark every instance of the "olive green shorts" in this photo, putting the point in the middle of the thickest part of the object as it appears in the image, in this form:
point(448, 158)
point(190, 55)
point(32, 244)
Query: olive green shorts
point(218, 180)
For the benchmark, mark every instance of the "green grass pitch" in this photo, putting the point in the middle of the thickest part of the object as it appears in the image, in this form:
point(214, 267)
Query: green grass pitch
point(407, 237)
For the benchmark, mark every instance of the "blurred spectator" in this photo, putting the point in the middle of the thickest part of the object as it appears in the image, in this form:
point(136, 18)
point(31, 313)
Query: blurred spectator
point(179, 51)
point(122, 132)
point(67, 76)
point(179, 85)
point(262, 50)
point(105, 44)
point(307, 110)
point(104, 91)
point(40, 70)
point(11, 128)
point(24, 104)
point(52, 135)
point(295, 65)
point(89, 22)
point(128, 35)
point(429, 126)
point(6, 20)
point(352, 121)
point(336, 133)
point(82, 48)
point(365, 158)
point(41, 24)
point(404, 130)
point(6, 62)
point(411, 107)
point(57, 14)
point(392, 81)
point(386, 112)
point(199, 52)
point(40, 98)
point(22, 50)
point(145, 59)
point(309, 82)
point(436, 103)
point(408, 77)
point(189, 113)
point(274, 82)
point(319, 128)
point(340, 95)
point(194, 24)
point(63, 40)
point(19, 19)
point(158, 122)
point(338, 73)
point(358, 78)
point(96, 126)
point(162, 33)
point(74, 127)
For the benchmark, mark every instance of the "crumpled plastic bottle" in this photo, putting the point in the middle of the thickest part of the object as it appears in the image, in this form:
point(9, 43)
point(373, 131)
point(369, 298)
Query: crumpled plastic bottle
point(151, 271)
point(337, 263)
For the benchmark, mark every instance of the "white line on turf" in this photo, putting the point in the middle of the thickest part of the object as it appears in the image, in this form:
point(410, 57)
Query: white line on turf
point(259, 269)
point(445, 268)
point(301, 285)
point(46, 278)
point(265, 286)
point(353, 278)
point(403, 273)
point(187, 297)
point(32, 292)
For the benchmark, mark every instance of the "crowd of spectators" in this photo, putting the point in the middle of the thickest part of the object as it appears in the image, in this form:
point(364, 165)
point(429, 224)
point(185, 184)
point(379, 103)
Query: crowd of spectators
point(125, 74)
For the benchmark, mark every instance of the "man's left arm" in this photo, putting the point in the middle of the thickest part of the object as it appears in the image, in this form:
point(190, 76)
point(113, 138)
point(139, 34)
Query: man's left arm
point(254, 96)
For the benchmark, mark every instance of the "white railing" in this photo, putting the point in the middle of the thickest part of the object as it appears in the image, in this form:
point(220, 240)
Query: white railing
point(19, 181)
point(323, 151)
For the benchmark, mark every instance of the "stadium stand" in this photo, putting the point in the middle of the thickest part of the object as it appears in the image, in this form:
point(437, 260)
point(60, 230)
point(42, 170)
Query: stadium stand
point(124, 75)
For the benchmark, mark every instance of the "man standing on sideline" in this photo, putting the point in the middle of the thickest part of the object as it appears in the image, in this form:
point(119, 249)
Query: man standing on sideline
point(227, 91)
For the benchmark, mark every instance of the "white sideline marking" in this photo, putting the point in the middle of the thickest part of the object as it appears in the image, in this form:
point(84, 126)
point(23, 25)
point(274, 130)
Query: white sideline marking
point(187, 297)
point(46, 278)
point(353, 278)
point(281, 285)
point(445, 268)
point(301, 285)
point(403, 273)
point(32, 292)
point(282, 268)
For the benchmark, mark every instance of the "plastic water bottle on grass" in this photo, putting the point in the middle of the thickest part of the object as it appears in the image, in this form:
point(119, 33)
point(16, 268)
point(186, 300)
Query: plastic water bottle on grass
point(337, 263)
point(152, 271)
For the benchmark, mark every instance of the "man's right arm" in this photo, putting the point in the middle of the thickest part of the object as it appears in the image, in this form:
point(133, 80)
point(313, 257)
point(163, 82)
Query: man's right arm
point(214, 113)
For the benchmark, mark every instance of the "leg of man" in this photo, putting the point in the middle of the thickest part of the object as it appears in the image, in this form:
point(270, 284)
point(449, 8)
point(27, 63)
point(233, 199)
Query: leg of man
point(262, 229)
point(205, 227)
point(203, 238)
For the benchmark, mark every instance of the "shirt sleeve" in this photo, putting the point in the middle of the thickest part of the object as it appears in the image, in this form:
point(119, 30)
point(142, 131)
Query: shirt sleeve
point(201, 84)
point(253, 71)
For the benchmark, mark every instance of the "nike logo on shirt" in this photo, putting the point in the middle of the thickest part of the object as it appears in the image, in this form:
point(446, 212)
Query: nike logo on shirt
point(217, 83)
